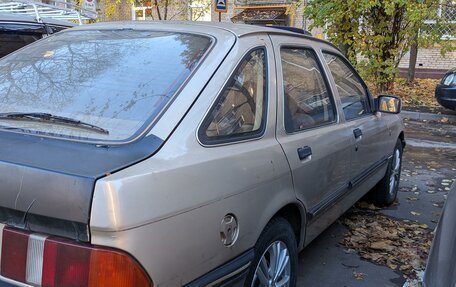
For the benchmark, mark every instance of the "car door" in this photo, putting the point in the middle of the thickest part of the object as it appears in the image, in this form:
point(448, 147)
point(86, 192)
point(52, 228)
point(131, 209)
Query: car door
point(316, 144)
point(368, 129)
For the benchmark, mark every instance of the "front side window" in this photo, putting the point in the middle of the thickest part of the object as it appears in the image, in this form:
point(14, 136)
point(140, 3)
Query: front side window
point(352, 93)
point(306, 98)
point(115, 81)
point(239, 112)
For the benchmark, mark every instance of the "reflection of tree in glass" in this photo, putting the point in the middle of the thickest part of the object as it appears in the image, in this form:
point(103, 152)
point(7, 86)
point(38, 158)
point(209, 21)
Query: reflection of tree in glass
point(195, 49)
point(97, 76)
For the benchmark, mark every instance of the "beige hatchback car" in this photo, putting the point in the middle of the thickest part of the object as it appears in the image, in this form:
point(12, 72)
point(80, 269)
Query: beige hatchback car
point(182, 154)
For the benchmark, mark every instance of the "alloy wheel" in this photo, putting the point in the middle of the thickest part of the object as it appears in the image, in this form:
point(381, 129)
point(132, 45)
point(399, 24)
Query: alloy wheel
point(274, 267)
point(395, 171)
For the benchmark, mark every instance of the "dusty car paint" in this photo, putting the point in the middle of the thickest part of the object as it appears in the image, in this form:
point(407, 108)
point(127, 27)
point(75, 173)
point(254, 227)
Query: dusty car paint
point(166, 210)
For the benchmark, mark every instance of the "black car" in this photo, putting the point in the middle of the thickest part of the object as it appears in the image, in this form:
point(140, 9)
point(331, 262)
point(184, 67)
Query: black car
point(445, 92)
point(16, 31)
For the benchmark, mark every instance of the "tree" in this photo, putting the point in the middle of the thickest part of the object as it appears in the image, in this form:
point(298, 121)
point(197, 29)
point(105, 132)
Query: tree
point(115, 10)
point(374, 34)
point(161, 9)
point(427, 34)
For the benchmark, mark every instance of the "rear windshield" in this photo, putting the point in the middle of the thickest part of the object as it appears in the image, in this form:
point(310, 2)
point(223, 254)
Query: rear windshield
point(116, 80)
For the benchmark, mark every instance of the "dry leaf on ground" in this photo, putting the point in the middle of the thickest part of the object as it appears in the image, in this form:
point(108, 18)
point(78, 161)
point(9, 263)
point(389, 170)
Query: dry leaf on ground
point(358, 275)
point(398, 244)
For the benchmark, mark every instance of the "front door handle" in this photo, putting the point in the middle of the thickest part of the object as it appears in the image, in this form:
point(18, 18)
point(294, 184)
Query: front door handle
point(304, 152)
point(357, 133)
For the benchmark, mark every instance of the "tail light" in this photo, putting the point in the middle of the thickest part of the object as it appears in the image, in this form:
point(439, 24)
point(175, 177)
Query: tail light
point(54, 262)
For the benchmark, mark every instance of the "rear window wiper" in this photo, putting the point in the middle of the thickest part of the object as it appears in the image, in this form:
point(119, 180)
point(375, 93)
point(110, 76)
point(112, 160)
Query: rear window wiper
point(50, 118)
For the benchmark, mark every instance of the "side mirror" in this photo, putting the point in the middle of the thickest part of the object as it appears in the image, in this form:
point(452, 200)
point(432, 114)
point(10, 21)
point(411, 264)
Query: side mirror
point(388, 104)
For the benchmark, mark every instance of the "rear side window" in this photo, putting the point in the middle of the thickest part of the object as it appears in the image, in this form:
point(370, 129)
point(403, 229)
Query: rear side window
point(306, 98)
point(239, 112)
point(352, 92)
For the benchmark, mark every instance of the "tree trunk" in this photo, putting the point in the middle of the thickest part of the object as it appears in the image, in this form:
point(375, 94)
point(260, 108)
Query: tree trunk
point(412, 61)
point(158, 10)
point(166, 9)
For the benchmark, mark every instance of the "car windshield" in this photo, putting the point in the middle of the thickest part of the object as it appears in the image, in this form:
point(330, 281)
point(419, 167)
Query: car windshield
point(118, 80)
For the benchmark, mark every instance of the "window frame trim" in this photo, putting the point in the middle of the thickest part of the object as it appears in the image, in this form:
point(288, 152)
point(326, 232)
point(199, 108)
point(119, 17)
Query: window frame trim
point(325, 79)
point(363, 84)
point(249, 136)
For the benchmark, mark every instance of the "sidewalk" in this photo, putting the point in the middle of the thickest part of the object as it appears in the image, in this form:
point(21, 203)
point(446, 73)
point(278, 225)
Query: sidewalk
point(428, 116)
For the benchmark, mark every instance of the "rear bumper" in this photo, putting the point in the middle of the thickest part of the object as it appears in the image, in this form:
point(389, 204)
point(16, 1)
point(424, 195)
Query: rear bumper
point(233, 273)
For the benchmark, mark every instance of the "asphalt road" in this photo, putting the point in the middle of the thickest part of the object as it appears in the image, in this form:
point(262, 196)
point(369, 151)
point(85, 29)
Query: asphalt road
point(429, 162)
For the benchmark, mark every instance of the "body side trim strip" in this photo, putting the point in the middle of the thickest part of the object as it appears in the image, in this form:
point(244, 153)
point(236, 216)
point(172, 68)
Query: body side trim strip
point(225, 271)
point(368, 172)
point(333, 198)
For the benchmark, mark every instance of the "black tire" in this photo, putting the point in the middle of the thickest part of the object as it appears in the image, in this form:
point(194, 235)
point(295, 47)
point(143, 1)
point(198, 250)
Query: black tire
point(382, 194)
point(277, 230)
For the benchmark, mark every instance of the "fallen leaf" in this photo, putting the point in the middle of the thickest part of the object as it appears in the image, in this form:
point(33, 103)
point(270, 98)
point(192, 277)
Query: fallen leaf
point(392, 266)
point(382, 245)
point(397, 244)
point(365, 205)
point(358, 275)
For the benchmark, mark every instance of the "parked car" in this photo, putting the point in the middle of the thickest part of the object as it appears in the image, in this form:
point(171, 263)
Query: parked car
point(182, 154)
point(441, 264)
point(16, 31)
point(445, 92)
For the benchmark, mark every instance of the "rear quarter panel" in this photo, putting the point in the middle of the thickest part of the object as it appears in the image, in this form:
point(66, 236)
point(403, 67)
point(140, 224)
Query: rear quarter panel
point(167, 210)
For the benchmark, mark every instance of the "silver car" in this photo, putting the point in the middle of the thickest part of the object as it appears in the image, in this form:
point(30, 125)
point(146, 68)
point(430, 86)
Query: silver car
point(441, 261)
point(182, 154)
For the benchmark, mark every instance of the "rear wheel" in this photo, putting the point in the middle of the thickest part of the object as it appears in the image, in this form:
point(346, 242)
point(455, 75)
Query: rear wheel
point(385, 192)
point(276, 257)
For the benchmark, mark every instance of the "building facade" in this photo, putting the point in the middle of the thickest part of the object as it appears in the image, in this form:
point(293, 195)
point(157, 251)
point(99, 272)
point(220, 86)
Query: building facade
point(267, 12)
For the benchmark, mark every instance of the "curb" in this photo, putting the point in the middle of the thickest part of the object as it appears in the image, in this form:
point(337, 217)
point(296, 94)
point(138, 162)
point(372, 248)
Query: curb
point(427, 116)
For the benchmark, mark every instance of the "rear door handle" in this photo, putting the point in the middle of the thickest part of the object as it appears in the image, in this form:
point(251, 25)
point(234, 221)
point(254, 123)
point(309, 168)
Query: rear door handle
point(304, 152)
point(357, 133)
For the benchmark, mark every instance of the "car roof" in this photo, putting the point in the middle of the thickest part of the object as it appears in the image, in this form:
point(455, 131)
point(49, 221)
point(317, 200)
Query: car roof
point(9, 17)
point(239, 30)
